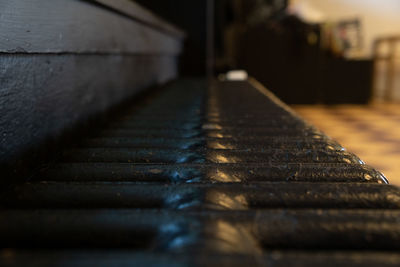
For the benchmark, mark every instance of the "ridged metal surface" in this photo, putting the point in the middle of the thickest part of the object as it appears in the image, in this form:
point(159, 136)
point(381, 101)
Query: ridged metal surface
point(193, 177)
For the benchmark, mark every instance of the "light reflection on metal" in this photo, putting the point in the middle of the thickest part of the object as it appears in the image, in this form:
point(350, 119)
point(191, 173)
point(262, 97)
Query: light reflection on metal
point(175, 236)
point(234, 238)
point(331, 148)
point(223, 177)
point(183, 201)
point(218, 135)
point(224, 201)
point(219, 158)
point(218, 145)
point(211, 126)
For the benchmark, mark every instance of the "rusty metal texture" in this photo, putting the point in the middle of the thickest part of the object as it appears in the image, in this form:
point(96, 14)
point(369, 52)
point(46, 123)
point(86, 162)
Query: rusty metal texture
point(227, 176)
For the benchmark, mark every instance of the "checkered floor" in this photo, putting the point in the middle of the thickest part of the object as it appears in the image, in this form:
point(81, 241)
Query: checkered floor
point(372, 132)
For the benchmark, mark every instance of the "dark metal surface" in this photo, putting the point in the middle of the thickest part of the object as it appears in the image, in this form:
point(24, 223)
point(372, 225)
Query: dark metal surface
point(206, 173)
point(201, 196)
point(190, 177)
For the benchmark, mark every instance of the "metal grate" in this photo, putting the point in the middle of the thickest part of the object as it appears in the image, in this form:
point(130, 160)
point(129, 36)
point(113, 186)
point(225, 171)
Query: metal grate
point(228, 176)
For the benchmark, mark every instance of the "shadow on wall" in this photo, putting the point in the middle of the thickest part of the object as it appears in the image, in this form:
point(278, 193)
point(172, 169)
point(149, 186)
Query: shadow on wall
point(191, 17)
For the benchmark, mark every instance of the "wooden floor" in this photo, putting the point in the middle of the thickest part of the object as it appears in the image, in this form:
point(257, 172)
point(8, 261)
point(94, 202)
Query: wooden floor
point(372, 132)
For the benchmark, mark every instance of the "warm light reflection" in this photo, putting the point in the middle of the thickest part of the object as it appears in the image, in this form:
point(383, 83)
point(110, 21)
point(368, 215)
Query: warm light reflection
point(218, 145)
point(223, 177)
point(218, 135)
point(238, 202)
point(235, 238)
point(331, 148)
point(220, 158)
point(211, 126)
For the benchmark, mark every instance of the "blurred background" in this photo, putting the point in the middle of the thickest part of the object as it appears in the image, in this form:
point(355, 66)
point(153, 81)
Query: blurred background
point(337, 62)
